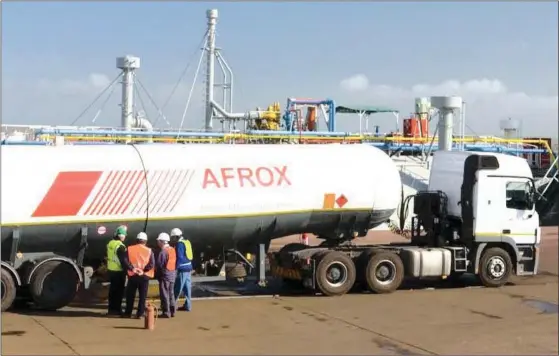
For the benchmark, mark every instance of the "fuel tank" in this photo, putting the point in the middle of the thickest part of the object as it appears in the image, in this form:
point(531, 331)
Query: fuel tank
point(219, 195)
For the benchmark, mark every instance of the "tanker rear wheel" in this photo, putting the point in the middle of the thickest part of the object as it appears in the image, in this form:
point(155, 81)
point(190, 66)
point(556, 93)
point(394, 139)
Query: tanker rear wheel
point(54, 285)
point(335, 273)
point(9, 290)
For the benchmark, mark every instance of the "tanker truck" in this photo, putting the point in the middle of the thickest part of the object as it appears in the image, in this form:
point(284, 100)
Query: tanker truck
point(61, 204)
point(477, 217)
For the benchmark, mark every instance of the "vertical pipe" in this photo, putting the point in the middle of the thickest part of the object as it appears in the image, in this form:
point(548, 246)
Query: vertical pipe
point(210, 66)
point(463, 125)
point(445, 129)
point(231, 77)
point(127, 99)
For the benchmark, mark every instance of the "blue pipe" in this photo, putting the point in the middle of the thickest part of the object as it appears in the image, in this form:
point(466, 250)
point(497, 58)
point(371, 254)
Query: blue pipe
point(133, 133)
point(381, 145)
point(24, 143)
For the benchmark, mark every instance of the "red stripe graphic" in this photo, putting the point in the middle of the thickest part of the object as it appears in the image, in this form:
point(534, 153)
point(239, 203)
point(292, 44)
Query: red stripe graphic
point(164, 182)
point(122, 193)
point(67, 194)
point(182, 191)
point(139, 180)
point(165, 190)
point(116, 194)
point(144, 188)
point(93, 205)
point(153, 185)
point(174, 194)
point(108, 193)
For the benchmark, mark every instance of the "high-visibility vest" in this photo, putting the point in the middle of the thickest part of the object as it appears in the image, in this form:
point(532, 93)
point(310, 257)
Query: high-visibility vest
point(188, 252)
point(187, 248)
point(172, 261)
point(113, 263)
point(139, 256)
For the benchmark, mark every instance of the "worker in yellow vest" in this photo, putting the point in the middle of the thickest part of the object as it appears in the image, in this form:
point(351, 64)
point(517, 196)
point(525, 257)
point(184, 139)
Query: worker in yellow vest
point(116, 259)
point(184, 256)
point(140, 271)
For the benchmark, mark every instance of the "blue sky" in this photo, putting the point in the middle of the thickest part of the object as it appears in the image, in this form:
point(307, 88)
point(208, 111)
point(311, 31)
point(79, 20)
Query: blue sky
point(502, 57)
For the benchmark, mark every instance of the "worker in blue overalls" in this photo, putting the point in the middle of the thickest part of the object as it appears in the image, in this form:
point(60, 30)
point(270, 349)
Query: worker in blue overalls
point(184, 254)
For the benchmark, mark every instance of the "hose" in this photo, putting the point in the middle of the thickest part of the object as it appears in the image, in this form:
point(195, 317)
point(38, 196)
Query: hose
point(402, 228)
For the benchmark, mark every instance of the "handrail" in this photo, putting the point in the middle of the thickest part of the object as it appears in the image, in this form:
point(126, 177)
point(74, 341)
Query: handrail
point(349, 137)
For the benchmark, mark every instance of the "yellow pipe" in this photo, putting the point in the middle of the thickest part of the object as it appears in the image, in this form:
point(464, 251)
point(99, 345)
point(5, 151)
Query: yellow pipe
point(365, 138)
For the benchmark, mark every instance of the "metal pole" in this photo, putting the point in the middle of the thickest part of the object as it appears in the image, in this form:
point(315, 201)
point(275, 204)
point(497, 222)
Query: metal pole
point(210, 66)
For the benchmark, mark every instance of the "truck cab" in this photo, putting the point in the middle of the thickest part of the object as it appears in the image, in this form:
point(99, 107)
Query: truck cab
point(490, 203)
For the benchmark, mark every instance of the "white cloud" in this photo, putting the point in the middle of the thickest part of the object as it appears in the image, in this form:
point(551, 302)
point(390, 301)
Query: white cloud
point(488, 101)
point(60, 101)
point(358, 82)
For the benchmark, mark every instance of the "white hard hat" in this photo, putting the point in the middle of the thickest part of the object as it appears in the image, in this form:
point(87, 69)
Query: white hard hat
point(142, 236)
point(176, 232)
point(163, 237)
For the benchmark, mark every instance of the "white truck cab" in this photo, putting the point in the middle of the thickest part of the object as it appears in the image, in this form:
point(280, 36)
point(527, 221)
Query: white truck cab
point(490, 203)
point(500, 192)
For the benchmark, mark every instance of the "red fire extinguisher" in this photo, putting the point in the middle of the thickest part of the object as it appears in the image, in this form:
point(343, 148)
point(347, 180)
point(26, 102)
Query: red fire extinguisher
point(151, 315)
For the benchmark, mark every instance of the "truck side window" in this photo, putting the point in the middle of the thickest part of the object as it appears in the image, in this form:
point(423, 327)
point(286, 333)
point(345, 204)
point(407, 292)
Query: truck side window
point(518, 195)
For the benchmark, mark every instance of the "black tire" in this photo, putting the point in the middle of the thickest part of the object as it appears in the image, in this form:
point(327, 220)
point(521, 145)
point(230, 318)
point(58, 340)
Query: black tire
point(235, 270)
point(344, 265)
point(54, 285)
point(9, 290)
point(385, 262)
point(495, 267)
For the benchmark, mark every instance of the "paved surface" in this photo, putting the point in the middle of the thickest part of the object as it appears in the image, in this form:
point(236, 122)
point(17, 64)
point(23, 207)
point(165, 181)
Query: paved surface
point(517, 319)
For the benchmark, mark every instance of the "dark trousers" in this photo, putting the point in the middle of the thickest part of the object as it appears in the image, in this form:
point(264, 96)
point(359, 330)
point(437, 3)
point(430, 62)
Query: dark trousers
point(140, 284)
point(116, 291)
point(166, 294)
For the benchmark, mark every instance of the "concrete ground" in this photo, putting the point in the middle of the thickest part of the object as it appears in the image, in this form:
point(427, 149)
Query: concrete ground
point(518, 319)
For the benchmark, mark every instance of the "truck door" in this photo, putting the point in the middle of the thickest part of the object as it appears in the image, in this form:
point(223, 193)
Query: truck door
point(487, 194)
point(519, 220)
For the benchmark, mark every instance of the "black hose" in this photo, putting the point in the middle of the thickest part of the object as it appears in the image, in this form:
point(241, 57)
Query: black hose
point(147, 185)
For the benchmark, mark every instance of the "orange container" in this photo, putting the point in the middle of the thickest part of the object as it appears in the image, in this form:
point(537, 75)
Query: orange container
point(416, 127)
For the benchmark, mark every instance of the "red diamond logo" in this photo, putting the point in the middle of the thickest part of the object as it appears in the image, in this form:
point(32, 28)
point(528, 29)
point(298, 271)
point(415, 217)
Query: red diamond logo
point(341, 201)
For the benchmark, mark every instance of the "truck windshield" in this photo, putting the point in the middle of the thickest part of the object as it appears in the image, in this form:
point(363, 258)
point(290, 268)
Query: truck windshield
point(520, 195)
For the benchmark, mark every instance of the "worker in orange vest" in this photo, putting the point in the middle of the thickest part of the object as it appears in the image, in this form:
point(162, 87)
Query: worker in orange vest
point(140, 271)
point(165, 272)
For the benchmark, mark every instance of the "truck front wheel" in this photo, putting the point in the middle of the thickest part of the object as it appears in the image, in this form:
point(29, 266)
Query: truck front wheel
point(8, 290)
point(495, 267)
point(335, 273)
point(54, 285)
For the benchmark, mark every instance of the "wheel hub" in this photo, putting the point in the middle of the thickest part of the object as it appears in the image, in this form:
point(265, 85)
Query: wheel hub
point(496, 267)
point(385, 272)
point(336, 274)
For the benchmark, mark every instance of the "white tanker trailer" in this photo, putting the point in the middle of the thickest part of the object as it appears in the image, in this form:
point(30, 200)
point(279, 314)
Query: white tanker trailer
point(61, 204)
